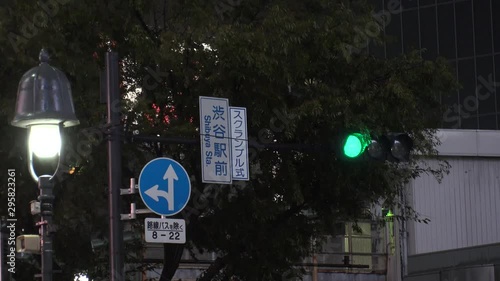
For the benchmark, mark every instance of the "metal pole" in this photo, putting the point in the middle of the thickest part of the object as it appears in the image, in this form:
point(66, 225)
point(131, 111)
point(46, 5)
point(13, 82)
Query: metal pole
point(315, 268)
point(114, 167)
point(403, 243)
point(46, 205)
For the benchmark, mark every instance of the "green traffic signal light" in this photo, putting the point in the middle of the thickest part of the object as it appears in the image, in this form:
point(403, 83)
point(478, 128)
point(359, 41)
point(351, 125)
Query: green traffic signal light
point(354, 145)
point(387, 213)
point(393, 147)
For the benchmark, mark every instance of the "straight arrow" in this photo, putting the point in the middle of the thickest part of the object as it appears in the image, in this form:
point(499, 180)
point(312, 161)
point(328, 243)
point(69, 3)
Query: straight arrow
point(170, 175)
point(156, 193)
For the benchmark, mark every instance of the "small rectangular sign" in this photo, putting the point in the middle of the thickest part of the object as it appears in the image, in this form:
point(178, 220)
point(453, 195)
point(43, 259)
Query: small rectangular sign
point(214, 140)
point(165, 230)
point(239, 143)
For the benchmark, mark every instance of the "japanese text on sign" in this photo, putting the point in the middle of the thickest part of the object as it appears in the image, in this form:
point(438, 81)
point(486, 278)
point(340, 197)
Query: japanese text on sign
point(215, 142)
point(239, 143)
point(165, 230)
point(164, 225)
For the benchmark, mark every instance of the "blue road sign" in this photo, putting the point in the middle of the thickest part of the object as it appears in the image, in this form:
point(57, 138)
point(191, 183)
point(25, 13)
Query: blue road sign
point(164, 186)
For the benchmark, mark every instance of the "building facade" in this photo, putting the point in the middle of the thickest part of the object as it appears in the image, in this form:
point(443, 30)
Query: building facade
point(467, 34)
point(461, 241)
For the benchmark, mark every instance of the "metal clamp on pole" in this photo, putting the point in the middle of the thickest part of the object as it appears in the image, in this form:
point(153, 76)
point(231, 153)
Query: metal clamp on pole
point(131, 190)
point(131, 215)
point(134, 212)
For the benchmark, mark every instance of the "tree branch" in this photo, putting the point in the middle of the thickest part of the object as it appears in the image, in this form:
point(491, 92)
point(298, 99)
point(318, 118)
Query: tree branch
point(146, 28)
point(172, 254)
point(220, 262)
point(213, 269)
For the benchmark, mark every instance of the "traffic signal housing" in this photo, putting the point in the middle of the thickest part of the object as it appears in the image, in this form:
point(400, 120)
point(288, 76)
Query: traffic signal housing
point(393, 147)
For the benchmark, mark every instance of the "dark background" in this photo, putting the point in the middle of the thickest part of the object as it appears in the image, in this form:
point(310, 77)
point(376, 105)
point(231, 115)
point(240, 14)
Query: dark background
point(467, 34)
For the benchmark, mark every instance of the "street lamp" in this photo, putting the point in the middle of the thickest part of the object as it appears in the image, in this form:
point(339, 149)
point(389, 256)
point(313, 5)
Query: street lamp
point(44, 106)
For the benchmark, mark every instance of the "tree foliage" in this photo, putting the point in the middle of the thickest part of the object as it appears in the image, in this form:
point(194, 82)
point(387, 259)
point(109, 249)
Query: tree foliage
point(285, 61)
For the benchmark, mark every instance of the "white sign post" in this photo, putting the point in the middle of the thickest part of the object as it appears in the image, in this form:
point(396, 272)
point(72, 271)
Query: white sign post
point(214, 139)
point(171, 231)
point(239, 143)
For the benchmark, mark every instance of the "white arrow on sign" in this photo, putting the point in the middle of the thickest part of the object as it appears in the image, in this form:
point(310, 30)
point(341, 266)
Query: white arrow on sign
point(155, 193)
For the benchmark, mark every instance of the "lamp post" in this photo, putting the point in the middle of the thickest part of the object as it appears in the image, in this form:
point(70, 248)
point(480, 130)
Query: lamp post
point(44, 106)
point(114, 167)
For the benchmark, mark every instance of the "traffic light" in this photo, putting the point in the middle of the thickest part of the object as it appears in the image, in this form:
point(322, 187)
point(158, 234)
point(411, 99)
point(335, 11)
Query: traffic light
point(354, 145)
point(394, 147)
point(387, 213)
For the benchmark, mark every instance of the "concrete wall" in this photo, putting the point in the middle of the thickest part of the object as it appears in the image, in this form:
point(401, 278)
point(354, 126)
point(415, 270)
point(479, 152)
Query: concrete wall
point(349, 277)
point(462, 240)
point(439, 261)
point(463, 209)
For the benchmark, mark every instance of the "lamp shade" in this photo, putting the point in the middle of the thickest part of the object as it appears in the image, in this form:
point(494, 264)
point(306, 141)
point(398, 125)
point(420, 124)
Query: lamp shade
point(44, 97)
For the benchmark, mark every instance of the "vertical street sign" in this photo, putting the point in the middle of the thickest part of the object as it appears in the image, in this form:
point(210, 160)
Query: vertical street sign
point(214, 140)
point(239, 143)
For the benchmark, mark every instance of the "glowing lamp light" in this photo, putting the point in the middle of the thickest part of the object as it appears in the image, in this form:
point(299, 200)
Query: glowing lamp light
point(44, 105)
point(354, 145)
point(45, 140)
